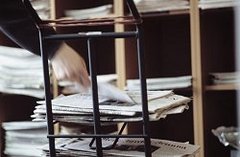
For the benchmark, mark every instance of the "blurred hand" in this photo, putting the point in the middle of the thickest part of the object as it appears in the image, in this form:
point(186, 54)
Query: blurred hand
point(69, 65)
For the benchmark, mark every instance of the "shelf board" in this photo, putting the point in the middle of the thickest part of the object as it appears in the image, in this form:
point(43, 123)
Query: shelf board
point(165, 13)
point(222, 87)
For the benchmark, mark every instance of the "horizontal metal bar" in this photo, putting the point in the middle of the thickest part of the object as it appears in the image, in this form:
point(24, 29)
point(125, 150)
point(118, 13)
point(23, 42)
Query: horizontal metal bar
point(87, 35)
point(99, 135)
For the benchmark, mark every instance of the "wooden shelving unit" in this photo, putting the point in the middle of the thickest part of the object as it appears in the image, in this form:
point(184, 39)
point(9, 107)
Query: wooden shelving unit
point(223, 97)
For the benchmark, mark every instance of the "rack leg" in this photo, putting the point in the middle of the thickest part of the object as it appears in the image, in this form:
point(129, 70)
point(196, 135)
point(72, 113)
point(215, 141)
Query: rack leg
point(143, 92)
point(47, 97)
point(96, 114)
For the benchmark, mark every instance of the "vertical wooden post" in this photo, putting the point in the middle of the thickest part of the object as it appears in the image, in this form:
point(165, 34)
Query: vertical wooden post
point(120, 51)
point(197, 76)
point(52, 4)
point(120, 46)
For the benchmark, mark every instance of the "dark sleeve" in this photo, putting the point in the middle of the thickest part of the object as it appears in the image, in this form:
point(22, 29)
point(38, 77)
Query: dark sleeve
point(19, 24)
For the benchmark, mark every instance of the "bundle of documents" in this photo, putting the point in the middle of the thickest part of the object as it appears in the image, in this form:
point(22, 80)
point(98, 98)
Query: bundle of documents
point(225, 78)
point(145, 6)
point(21, 72)
point(228, 136)
point(96, 12)
point(24, 138)
point(130, 147)
point(161, 83)
point(42, 8)
point(115, 106)
point(212, 4)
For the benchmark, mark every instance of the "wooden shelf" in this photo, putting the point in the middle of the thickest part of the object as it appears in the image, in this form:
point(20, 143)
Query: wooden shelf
point(165, 13)
point(222, 87)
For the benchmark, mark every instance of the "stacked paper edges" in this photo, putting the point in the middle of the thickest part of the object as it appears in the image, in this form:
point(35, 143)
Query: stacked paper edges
point(25, 138)
point(78, 108)
point(125, 147)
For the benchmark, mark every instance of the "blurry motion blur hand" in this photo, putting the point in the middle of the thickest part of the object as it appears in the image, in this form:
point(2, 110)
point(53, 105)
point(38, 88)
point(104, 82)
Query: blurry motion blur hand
point(69, 65)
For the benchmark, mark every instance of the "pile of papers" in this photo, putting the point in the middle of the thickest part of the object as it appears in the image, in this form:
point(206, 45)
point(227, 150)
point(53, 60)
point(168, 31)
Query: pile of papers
point(225, 78)
point(88, 13)
point(129, 147)
point(42, 8)
point(228, 136)
point(115, 106)
point(145, 6)
point(161, 83)
point(24, 138)
point(212, 4)
point(21, 72)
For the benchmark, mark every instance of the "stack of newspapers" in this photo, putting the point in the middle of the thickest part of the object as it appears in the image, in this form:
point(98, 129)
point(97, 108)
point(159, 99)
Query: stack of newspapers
point(145, 6)
point(24, 138)
point(115, 106)
point(21, 72)
point(212, 4)
point(88, 13)
point(225, 78)
point(161, 83)
point(129, 147)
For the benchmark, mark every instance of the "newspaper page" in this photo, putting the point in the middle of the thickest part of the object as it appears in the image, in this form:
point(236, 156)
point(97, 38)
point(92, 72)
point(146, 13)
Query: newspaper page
point(128, 147)
point(85, 101)
point(78, 108)
point(157, 104)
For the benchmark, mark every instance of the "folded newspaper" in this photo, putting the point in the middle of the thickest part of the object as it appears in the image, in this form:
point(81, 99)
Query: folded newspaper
point(114, 105)
point(126, 147)
point(228, 136)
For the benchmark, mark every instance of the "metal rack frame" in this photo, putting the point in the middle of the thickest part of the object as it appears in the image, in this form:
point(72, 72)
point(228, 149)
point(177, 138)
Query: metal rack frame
point(90, 37)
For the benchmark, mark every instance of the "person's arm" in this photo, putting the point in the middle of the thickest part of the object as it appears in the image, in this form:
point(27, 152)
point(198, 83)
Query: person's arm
point(20, 26)
point(68, 65)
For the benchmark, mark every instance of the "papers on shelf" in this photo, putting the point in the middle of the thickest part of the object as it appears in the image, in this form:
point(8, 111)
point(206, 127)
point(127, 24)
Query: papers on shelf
point(228, 136)
point(225, 78)
point(145, 6)
point(161, 83)
point(95, 12)
point(130, 147)
point(211, 4)
point(24, 138)
point(78, 108)
point(21, 72)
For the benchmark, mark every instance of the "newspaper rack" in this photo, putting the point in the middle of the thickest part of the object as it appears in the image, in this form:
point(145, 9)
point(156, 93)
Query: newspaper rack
point(97, 136)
